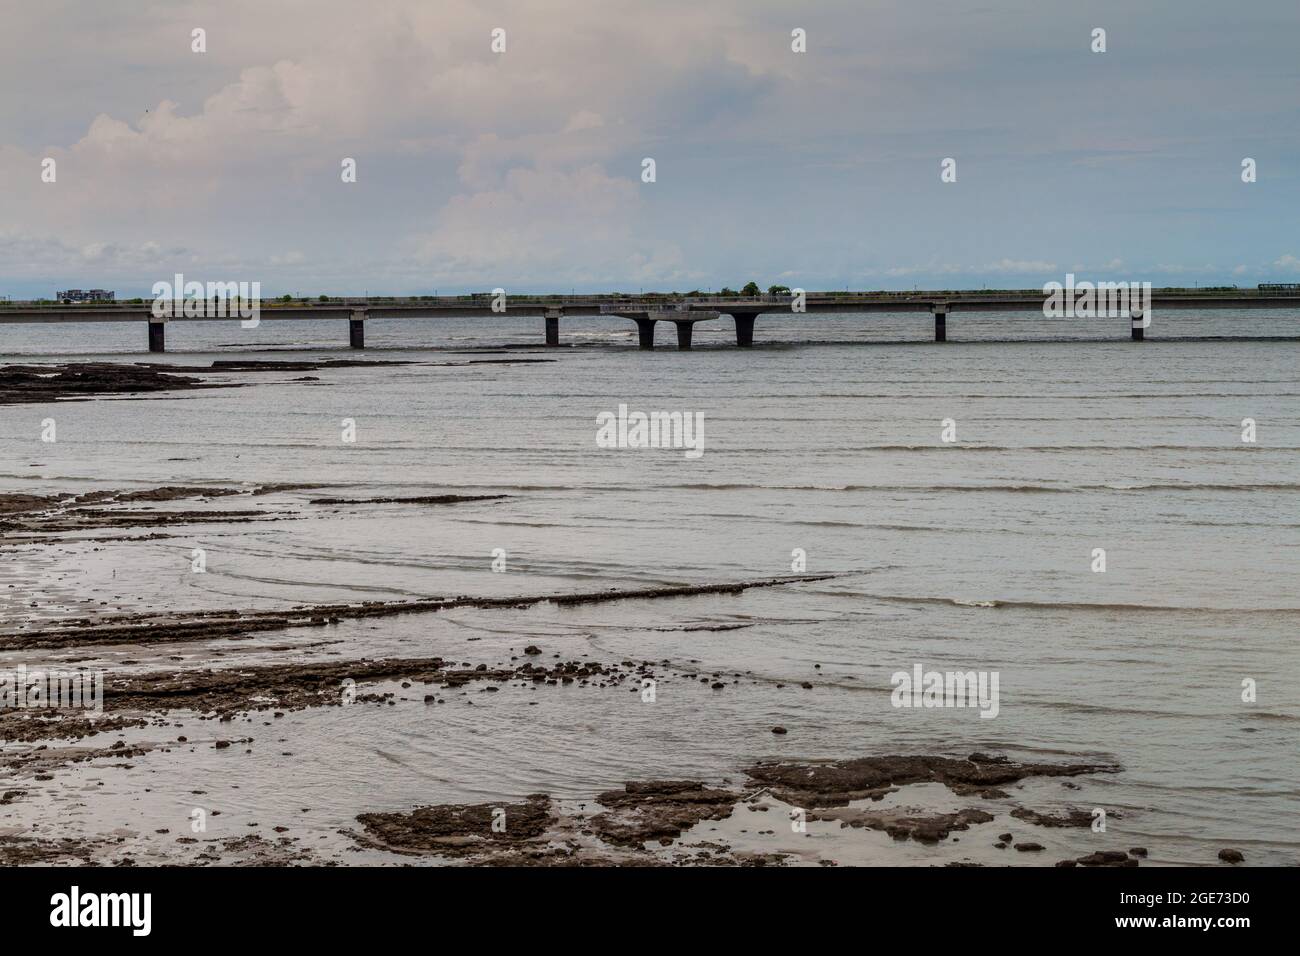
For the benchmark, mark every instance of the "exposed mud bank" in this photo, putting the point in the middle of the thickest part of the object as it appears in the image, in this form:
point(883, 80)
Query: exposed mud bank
point(248, 850)
point(297, 686)
point(462, 831)
point(837, 783)
point(415, 500)
point(40, 763)
point(26, 384)
point(902, 824)
point(658, 822)
point(28, 515)
point(658, 810)
point(22, 384)
point(138, 700)
point(149, 628)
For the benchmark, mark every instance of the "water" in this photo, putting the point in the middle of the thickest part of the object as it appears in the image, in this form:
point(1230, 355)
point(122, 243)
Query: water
point(975, 555)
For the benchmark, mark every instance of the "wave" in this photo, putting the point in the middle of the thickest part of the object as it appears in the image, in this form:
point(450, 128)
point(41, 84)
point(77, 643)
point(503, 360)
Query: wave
point(751, 486)
point(933, 447)
point(1064, 605)
point(1006, 489)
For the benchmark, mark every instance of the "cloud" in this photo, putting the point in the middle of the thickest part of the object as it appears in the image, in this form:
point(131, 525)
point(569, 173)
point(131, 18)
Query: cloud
point(523, 167)
point(547, 227)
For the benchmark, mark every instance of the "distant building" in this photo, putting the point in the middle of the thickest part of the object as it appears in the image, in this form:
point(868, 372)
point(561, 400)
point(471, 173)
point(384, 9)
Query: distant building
point(86, 295)
point(1279, 287)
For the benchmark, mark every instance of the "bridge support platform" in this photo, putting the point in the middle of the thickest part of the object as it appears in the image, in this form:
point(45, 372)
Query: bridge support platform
point(553, 327)
point(357, 331)
point(157, 336)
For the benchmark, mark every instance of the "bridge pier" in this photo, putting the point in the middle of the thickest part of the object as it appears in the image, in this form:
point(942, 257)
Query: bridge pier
point(157, 336)
point(1138, 325)
point(745, 328)
point(357, 330)
point(553, 327)
point(646, 332)
point(684, 329)
point(941, 325)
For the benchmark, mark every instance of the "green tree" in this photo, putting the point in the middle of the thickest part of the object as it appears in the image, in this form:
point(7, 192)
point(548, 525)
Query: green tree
point(751, 288)
point(778, 290)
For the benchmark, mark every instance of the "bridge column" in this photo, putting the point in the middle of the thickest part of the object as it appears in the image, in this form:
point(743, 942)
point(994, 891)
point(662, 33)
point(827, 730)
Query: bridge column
point(1138, 325)
point(553, 326)
point(646, 332)
point(745, 328)
point(684, 329)
point(157, 336)
point(941, 323)
point(357, 330)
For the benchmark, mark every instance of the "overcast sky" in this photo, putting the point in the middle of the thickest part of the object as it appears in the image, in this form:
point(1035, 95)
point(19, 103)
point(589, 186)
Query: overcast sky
point(523, 169)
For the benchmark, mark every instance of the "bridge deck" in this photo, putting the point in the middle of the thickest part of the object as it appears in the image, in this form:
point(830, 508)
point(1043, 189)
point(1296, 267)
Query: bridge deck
point(646, 311)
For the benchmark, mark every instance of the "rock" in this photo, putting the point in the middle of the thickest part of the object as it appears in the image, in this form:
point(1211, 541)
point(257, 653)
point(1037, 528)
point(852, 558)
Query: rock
point(532, 650)
point(1004, 837)
point(1070, 818)
point(1231, 856)
point(655, 810)
point(806, 784)
point(1107, 858)
point(779, 730)
point(461, 829)
point(901, 823)
point(1029, 847)
point(1139, 851)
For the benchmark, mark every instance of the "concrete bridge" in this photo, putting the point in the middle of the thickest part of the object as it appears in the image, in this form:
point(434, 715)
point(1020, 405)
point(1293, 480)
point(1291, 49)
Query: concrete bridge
point(645, 311)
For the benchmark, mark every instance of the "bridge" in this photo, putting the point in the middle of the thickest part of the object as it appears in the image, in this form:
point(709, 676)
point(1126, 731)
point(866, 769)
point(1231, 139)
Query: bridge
point(646, 310)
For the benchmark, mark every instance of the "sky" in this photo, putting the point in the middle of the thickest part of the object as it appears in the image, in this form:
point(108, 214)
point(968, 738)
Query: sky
point(523, 169)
